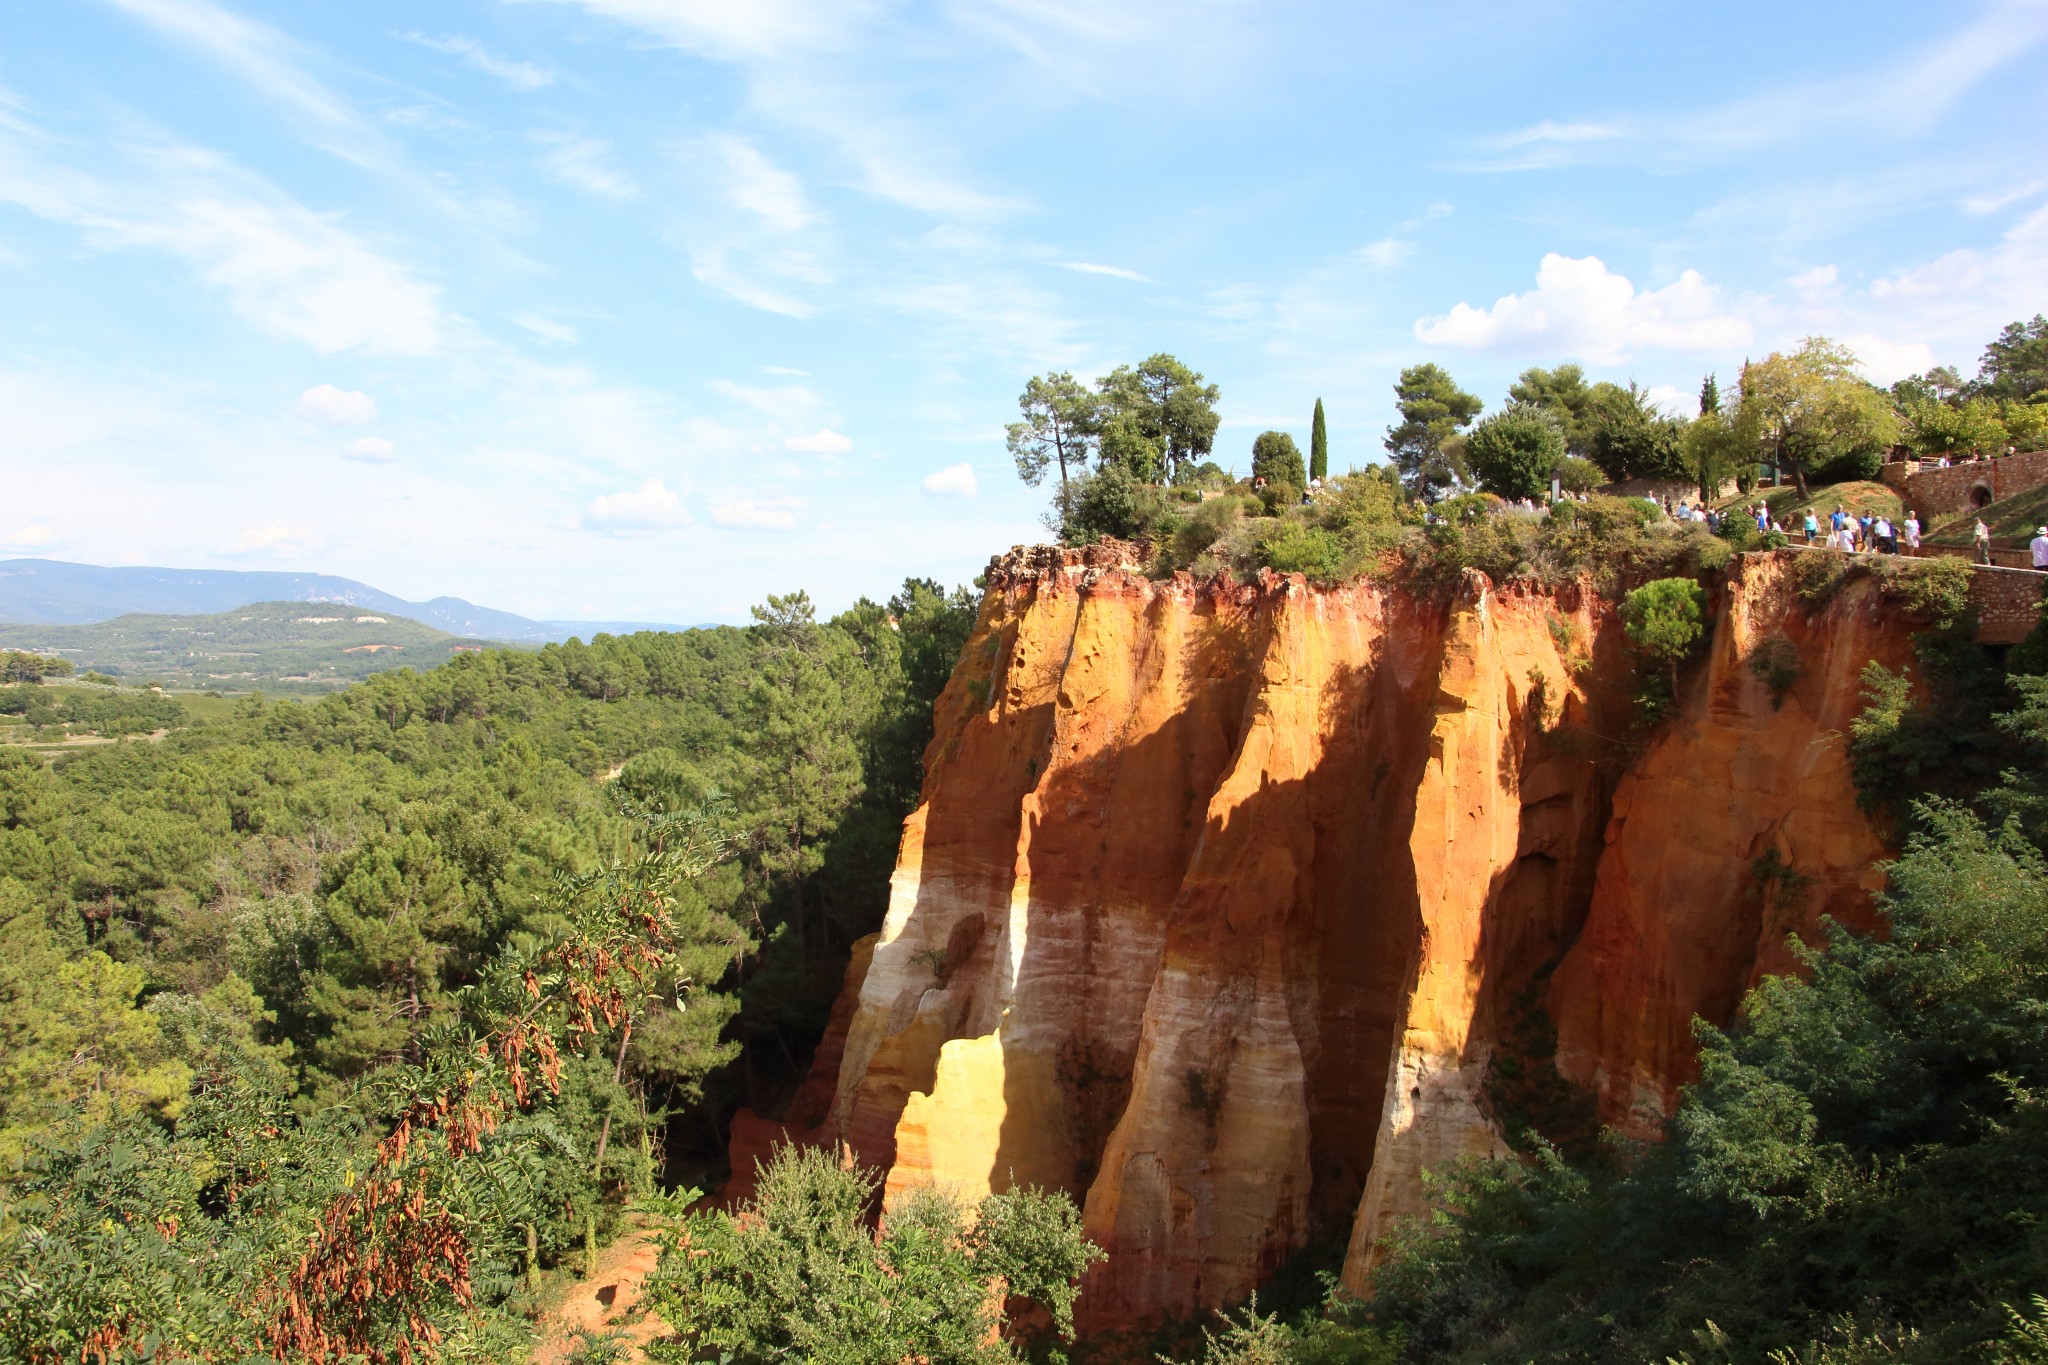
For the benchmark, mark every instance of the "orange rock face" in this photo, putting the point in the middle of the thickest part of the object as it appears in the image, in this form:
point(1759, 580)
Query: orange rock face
point(1231, 910)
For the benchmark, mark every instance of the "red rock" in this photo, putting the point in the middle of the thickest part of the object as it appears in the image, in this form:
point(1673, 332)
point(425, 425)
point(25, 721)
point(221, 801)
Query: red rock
point(1221, 899)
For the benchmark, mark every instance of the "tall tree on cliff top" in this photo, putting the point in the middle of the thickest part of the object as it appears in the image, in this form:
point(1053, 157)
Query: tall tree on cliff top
point(1565, 393)
point(2016, 365)
point(1426, 446)
point(1168, 404)
point(1319, 446)
point(1061, 423)
point(1811, 406)
point(1710, 396)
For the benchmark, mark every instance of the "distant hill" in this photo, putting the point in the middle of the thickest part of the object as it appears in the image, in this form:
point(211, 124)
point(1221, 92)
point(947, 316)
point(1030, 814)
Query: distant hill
point(52, 592)
point(295, 646)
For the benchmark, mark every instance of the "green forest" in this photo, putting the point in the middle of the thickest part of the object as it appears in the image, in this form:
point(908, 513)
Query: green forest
point(434, 975)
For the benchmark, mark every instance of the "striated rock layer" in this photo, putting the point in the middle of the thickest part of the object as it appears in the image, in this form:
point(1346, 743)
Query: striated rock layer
point(1232, 909)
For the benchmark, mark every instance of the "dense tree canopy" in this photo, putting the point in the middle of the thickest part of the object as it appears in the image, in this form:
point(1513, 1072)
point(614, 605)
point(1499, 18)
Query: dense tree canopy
point(1515, 451)
point(1427, 443)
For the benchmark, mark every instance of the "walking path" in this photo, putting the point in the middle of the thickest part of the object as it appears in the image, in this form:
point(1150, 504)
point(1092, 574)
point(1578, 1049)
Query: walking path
point(608, 1301)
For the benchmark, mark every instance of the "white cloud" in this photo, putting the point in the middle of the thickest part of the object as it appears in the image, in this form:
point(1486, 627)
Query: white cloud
point(273, 541)
point(260, 55)
point(1818, 278)
point(1901, 97)
point(728, 28)
point(824, 441)
point(335, 407)
point(1977, 205)
point(650, 507)
point(954, 481)
point(36, 535)
point(1580, 308)
point(1670, 399)
point(521, 76)
point(547, 329)
point(1964, 297)
point(759, 186)
point(757, 514)
point(785, 370)
point(584, 163)
point(1091, 268)
point(1387, 252)
point(785, 400)
point(714, 267)
point(371, 450)
point(1885, 362)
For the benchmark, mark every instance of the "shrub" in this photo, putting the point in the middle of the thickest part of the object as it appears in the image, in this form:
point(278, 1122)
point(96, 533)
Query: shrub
point(1935, 590)
point(1663, 620)
point(1515, 451)
point(1276, 459)
point(1577, 474)
point(1849, 467)
point(1776, 662)
point(1308, 550)
point(1205, 525)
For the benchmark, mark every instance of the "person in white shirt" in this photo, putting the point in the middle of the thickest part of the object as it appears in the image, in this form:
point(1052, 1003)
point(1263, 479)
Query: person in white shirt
point(1881, 532)
point(1912, 530)
point(2039, 545)
point(1980, 536)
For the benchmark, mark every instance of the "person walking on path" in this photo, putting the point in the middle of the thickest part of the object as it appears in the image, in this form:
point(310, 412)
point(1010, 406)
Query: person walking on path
point(1913, 532)
point(1811, 527)
point(1887, 541)
point(2039, 545)
point(1980, 536)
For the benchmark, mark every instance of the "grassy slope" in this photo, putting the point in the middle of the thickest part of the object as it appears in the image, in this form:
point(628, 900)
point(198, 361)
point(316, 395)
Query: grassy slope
point(2012, 521)
point(1856, 497)
point(299, 646)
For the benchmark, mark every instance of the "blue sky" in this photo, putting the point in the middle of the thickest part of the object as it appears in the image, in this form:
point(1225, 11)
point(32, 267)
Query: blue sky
point(646, 308)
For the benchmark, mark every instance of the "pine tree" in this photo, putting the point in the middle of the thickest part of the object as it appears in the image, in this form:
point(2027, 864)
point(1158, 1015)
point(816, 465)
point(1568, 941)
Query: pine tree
point(1319, 446)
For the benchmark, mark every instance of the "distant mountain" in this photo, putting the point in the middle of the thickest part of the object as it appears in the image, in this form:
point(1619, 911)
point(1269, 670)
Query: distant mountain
point(52, 592)
point(290, 646)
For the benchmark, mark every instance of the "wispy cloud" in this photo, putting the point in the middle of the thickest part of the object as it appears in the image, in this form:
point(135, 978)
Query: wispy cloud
point(757, 514)
point(272, 540)
point(286, 270)
point(370, 450)
point(547, 329)
point(823, 441)
point(753, 183)
point(1901, 97)
point(583, 163)
point(1092, 268)
point(521, 76)
point(336, 407)
point(261, 56)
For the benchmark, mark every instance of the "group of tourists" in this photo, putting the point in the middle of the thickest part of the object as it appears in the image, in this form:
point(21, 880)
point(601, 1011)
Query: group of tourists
point(1862, 534)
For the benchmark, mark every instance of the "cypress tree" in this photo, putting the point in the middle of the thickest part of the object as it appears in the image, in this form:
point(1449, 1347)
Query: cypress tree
point(1319, 446)
point(1710, 396)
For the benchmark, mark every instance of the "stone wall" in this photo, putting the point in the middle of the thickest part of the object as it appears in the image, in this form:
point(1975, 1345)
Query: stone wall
point(2008, 603)
point(1934, 492)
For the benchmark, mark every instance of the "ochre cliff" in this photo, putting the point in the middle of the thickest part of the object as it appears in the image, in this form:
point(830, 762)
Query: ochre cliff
point(1231, 909)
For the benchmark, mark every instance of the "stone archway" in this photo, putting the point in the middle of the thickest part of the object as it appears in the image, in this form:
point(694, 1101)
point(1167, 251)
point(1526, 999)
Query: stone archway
point(1980, 495)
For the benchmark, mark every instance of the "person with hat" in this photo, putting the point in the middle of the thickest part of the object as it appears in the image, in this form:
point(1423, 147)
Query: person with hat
point(2039, 545)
